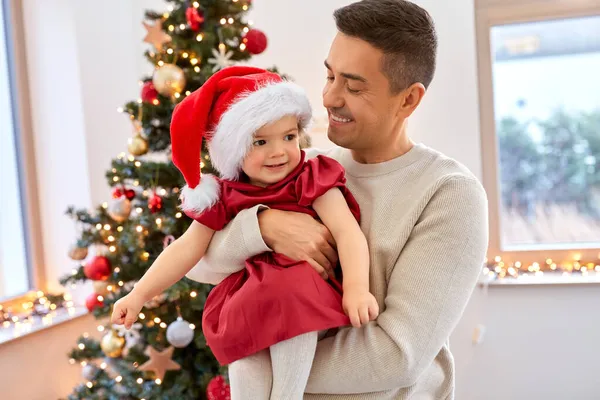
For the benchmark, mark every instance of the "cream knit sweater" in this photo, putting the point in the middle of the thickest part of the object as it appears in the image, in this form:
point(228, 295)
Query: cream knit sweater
point(425, 219)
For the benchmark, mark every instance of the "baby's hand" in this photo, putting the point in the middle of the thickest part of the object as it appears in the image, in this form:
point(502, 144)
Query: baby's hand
point(360, 305)
point(126, 310)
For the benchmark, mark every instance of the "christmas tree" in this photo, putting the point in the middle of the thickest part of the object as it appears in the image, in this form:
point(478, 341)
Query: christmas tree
point(164, 355)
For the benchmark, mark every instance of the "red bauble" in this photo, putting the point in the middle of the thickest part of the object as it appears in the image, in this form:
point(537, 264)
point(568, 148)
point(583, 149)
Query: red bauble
point(194, 18)
point(97, 269)
point(91, 302)
point(155, 203)
point(149, 93)
point(218, 389)
point(256, 41)
point(118, 192)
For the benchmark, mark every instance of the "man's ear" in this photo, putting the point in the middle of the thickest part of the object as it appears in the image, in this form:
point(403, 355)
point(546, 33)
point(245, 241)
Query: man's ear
point(410, 99)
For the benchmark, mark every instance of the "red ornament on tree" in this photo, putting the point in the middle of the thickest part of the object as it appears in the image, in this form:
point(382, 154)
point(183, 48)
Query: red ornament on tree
point(149, 93)
point(218, 389)
point(194, 18)
point(92, 301)
point(155, 203)
point(120, 191)
point(97, 269)
point(256, 41)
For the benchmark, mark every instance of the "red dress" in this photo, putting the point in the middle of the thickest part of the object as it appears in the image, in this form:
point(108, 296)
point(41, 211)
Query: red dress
point(273, 298)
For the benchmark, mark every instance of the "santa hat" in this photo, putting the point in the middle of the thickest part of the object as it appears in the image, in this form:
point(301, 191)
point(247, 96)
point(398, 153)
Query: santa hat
point(227, 111)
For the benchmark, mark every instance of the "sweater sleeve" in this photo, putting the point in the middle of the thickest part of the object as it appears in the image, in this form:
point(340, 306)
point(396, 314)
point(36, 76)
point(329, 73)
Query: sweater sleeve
point(234, 244)
point(428, 290)
point(230, 248)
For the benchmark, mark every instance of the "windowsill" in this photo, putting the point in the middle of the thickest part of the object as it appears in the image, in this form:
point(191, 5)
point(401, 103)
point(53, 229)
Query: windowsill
point(546, 279)
point(38, 324)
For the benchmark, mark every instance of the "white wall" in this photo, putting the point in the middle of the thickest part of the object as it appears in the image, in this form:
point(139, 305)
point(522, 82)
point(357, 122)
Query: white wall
point(78, 86)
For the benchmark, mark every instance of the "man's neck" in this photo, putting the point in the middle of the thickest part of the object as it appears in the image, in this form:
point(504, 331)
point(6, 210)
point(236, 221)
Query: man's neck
point(389, 151)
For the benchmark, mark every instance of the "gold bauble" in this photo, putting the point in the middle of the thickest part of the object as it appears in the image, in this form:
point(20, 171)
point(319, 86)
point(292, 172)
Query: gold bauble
point(78, 253)
point(137, 145)
point(112, 344)
point(101, 287)
point(169, 79)
point(119, 209)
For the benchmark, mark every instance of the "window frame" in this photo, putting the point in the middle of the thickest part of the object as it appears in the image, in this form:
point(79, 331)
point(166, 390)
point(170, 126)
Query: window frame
point(490, 13)
point(23, 131)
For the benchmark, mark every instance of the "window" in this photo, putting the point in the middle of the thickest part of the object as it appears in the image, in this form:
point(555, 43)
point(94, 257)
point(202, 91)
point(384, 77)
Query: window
point(540, 107)
point(17, 242)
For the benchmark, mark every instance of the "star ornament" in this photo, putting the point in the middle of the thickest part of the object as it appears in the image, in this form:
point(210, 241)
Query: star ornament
point(221, 59)
point(160, 362)
point(155, 35)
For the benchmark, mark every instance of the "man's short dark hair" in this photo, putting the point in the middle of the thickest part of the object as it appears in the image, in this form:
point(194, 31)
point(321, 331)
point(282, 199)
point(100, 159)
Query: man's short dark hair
point(402, 30)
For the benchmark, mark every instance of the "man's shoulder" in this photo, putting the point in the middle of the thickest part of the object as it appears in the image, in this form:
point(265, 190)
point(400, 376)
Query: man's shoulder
point(441, 167)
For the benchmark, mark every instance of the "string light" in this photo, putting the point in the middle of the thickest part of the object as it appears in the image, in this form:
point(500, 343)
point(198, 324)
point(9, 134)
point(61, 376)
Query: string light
point(120, 229)
point(245, 7)
point(171, 28)
point(169, 51)
point(196, 4)
point(230, 20)
point(107, 227)
point(112, 249)
point(142, 316)
point(178, 215)
point(246, 29)
point(157, 320)
point(182, 26)
point(90, 385)
point(155, 102)
point(105, 205)
point(161, 63)
point(242, 47)
point(145, 256)
point(197, 69)
point(187, 92)
point(163, 325)
point(192, 326)
point(194, 61)
point(120, 283)
point(118, 378)
point(158, 381)
point(199, 37)
point(81, 346)
point(223, 21)
point(100, 328)
point(193, 294)
point(185, 54)
point(140, 381)
point(499, 270)
point(120, 110)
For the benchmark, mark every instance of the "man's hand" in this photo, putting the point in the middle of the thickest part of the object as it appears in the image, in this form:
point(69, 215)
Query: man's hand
point(299, 237)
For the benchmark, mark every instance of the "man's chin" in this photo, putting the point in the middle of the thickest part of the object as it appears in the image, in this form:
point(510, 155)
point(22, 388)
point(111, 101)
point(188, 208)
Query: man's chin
point(335, 135)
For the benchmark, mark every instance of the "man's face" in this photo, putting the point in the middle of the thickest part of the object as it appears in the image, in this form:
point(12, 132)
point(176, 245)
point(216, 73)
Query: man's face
point(363, 114)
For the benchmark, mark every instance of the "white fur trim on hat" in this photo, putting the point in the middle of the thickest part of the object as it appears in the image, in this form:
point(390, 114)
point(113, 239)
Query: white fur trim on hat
point(234, 135)
point(202, 197)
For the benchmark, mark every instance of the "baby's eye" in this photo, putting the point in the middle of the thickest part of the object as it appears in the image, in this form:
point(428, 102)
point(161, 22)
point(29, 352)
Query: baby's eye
point(291, 136)
point(259, 142)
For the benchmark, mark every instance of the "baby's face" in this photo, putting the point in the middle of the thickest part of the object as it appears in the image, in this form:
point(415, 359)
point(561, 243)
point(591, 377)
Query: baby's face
point(275, 152)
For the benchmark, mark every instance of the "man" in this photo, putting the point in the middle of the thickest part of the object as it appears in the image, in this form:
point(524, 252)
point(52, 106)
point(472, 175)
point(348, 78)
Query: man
point(424, 215)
